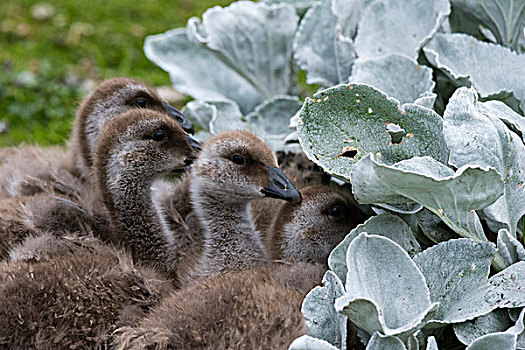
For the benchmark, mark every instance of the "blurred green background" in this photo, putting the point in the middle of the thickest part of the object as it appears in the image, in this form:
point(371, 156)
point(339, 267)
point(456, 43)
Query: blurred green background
point(52, 53)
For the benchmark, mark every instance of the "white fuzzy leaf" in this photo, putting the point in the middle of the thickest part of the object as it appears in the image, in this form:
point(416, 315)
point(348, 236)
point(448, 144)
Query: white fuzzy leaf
point(432, 344)
point(399, 26)
point(253, 39)
point(320, 49)
point(190, 66)
point(386, 225)
point(510, 249)
point(322, 321)
point(380, 342)
point(306, 342)
point(453, 197)
point(493, 322)
point(476, 135)
point(451, 281)
point(464, 57)
point(377, 298)
point(397, 76)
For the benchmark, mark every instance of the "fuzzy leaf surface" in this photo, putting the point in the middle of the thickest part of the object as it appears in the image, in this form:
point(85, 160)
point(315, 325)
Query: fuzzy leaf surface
point(451, 281)
point(386, 225)
point(341, 125)
point(509, 248)
point(464, 57)
point(493, 322)
point(271, 119)
point(504, 18)
point(377, 298)
point(453, 197)
point(380, 342)
point(307, 342)
point(322, 321)
point(402, 27)
point(476, 135)
point(328, 61)
point(397, 76)
point(189, 67)
point(253, 39)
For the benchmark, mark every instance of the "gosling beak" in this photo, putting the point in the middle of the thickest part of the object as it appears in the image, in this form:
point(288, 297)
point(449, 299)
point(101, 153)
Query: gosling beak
point(280, 187)
point(193, 143)
point(184, 123)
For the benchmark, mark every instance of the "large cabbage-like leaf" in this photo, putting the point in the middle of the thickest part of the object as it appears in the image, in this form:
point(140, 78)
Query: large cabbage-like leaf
point(493, 70)
point(322, 321)
point(500, 340)
point(495, 321)
point(475, 135)
point(386, 225)
point(253, 39)
point(453, 270)
point(307, 342)
point(327, 61)
point(271, 119)
point(397, 76)
point(380, 342)
point(341, 125)
point(348, 13)
point(198, 72)
point(385, 291)
point(453, 197)
point(504, 18)
point(399, 26)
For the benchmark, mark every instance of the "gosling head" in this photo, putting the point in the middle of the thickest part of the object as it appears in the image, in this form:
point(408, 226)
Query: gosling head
point(240, 166)
point(139, 145)
point(110, 99)
point(308, 231)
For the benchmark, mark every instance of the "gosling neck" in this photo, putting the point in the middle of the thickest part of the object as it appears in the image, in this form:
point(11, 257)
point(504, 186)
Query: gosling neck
point(140, 223)
point(231, 241)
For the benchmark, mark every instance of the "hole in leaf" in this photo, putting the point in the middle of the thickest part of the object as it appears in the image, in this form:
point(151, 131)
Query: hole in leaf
point(396, 133)
point(348, 152)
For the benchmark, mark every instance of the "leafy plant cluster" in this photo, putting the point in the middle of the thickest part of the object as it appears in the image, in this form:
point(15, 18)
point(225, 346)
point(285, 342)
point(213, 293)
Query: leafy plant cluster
point(421, 109)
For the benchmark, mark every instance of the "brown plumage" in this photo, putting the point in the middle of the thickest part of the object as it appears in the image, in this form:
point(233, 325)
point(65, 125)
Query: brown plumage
point(78, 297)
point(27, 170)
point(233, 169)
point(252, 309)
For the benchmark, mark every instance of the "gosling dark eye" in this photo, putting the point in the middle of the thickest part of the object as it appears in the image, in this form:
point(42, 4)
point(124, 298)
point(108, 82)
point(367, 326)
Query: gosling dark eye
point(238, 159)
point(336, 211)
point(140, 102)
point(160, 135)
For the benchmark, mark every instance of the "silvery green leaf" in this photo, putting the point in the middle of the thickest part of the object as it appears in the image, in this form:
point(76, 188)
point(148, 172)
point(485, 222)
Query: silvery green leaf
point(402, 27)
point(386, 225)
point(380, 342)
point(412, 342)
point(500, 340)
point(377, 297)
point(226, 116)
point(190, 66)
point(306, 342)
point(271, 118)
point(452, 280)
point(348, 13)
point(432, 227)
point(476, 135)
point(321, 50)
point(397, 76)
point(510, 249)
point(464, 57)
point(253, 39)
point(513, 120)
point(322, 321)
point(427, 99)
point(200, 113)
point(504, 18)
point(453, 197)
point(341, 125)
point(432, 344)
point(493, 322)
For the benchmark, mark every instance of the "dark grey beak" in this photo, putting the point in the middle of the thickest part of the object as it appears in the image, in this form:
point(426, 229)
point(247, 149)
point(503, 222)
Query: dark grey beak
point(280, 187)
point(184, 122)
point(193, 143)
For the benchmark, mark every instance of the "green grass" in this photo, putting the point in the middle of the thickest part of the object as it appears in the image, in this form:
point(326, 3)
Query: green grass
point(94, 39)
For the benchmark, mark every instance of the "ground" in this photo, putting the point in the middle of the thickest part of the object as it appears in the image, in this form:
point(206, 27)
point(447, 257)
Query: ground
point(52, 52)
